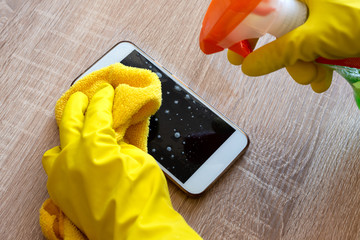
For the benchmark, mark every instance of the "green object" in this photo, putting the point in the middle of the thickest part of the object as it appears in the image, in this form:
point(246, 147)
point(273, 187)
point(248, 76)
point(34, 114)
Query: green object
point(352, 75)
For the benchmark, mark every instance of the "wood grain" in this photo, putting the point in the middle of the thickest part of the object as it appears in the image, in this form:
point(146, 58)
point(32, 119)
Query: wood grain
point(299, 178)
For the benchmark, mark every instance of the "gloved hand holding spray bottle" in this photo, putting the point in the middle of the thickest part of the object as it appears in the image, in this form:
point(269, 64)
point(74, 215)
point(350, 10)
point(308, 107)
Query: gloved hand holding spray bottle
point(314, 37)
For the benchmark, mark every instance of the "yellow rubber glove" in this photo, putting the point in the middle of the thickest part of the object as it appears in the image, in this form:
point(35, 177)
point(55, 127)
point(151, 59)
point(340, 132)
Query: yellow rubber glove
point(330, 31)
point(108, 189)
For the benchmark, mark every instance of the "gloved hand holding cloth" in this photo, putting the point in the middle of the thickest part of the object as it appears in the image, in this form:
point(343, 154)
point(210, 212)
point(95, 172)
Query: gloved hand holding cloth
point(101, 181)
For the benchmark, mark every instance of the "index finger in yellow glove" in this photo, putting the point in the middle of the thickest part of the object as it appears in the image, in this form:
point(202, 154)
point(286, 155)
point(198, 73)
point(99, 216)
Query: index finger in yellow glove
point(99, 111)
point(302, 72)
point(73, 118)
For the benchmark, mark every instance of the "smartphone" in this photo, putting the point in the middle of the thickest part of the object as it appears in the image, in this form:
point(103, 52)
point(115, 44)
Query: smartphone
point(191, 141)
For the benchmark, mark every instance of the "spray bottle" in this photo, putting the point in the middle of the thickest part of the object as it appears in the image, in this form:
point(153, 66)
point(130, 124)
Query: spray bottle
point(229, 23)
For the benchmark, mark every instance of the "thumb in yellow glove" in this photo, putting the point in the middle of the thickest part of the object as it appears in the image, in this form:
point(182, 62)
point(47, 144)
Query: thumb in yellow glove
point(329, 32)
point(108, 189)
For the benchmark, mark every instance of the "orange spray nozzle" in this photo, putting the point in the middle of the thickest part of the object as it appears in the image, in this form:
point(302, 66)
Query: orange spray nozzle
point(221, 18)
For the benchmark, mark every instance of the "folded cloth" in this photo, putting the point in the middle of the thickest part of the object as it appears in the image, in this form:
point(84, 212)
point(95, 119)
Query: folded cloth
point(55, 225)
point(137, 97)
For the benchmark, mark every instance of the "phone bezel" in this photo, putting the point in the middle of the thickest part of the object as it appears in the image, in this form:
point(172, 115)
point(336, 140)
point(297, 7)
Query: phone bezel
point(223, 157)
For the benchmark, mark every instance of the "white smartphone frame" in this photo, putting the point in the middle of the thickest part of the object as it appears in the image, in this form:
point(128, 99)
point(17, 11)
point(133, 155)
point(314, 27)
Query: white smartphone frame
point(219, 161)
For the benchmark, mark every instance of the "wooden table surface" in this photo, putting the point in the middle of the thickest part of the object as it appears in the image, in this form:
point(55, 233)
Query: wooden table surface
point(299, 178)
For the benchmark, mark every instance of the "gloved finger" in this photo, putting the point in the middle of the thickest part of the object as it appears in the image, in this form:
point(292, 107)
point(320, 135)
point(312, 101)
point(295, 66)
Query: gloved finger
point(99, 112)
point(284, 51)
point(303, 72)
point(311, 73)
point(237, 59)
point(49, 158)
point(234, 58)
point(323, 79)
point(73, 118)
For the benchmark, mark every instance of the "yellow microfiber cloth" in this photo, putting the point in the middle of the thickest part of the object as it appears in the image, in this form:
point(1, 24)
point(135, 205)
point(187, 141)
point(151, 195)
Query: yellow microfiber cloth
point(55, 225)
point(137, 97)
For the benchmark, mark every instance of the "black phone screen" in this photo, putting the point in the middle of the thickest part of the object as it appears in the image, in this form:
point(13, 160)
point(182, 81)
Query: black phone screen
point(184, 132)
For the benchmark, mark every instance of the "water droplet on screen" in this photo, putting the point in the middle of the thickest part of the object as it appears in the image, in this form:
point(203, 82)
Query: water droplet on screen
point(182, 153)
point(184, 142)
point(177, 135)
point(172, 155)
point(177, 88)
point(156, 119)
point(189, 107)
point(153, 150)
point(176, 101)
point(158, 136)
point(167, 111)
point(169, 149)
point(187, 96)
point(167, 92)
point(159, 74)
